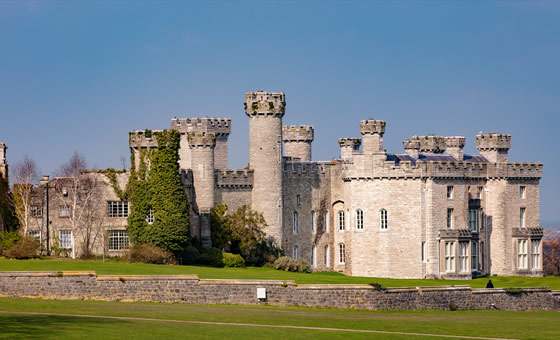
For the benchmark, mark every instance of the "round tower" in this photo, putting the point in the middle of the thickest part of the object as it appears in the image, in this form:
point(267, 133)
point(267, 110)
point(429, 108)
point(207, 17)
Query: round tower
point(202, 146)
point(265, 111)
point(297, 141)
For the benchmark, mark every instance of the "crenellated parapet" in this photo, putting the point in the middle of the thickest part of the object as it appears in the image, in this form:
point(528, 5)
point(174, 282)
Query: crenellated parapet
point(412, 147)
point(220, 126)
point(262, 103)
point(201, 139)
point(372, 132)
point(305, 169)
point(240, 179)
point(143, 139)
point(371, 126)
point(454, 146)
point(292, 133)
point(494, 146)
point(348, 146)
point(429, 144)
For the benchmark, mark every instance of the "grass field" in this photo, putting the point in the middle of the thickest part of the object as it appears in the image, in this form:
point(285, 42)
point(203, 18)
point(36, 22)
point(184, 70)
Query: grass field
point(495, 324)
point(124, 268)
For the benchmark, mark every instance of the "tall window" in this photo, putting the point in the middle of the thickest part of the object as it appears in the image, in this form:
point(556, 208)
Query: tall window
point(522, 192)
point(473, 220)
point(383, 219)
point(298, 199)
point(522, 217)
point(474, 256)
point(449, 256)
point(463, 256)
point(522, 254)
point(118, 240)
point(449, 217)
point(450, 192)
point(341, 253)
point(423, 251)
point(326, 256)
point(312, 221)
point(295, 253)
point(359, 219)
point(36, 211)
point(535, 254)
point(313, 256)
point(64, 211)
point(65, 239)
point(296, 222)
point(341, 220)
point(150, 217)
point(479, 193)
point(117, 208)
point(326, 222)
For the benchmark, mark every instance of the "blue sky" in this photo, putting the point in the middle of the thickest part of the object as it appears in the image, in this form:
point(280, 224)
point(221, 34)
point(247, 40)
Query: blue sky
point(80, 75)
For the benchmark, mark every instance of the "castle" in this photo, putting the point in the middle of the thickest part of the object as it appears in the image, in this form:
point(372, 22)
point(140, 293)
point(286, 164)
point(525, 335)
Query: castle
point(430, 212)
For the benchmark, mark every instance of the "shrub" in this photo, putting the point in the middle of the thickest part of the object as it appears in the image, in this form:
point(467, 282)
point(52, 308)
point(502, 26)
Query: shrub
point(8, 239)
point(211, 257)
point(282, 263)
point(190, 255)
point(233, 260)
point(302, 266)
point(291, 265)
point(26, 248)
point(148, 253)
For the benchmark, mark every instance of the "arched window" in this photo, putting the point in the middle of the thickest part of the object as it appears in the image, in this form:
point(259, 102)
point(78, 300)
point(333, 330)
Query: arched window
point(383, 219)
point(341, 253)
point(341, 220)
point(326, 256)
point(296, 222)
point(359, 219)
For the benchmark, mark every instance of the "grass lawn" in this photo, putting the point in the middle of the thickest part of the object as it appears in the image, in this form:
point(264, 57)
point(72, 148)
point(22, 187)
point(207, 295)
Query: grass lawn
point(124, 268)
point(502, 324)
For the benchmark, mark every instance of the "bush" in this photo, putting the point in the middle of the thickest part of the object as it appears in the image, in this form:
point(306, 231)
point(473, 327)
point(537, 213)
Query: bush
point(148, 253)
point(211, 257)
point(190, 255)
point(291, 265)
point(233, 260)
point(26, 248)
point(8, 239)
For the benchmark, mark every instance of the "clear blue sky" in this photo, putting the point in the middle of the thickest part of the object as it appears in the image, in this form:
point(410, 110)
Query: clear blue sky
point(80, 75)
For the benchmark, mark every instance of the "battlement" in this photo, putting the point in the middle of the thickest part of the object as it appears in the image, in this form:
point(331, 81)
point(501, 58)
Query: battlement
point(292, 133)
point(143, 139)
point(455, 142)
point(370, 127)
point(3, 149)
point(493, 141)
point(265, 103)
point(234, 178)
point(201, 139)
point(216, 125)
point(305, 169)
point(350, 142)
point(428, 144)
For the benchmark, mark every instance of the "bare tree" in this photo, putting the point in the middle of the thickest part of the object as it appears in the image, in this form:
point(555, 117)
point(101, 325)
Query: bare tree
point(24, 174)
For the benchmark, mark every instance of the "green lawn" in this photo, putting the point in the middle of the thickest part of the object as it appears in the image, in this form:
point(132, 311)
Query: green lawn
point(519, 325)
point(124, 268)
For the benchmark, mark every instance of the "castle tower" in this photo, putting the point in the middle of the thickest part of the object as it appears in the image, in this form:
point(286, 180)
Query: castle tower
point(372, 140)
point(297, 141)
point(139, 140)
point(348, 146)
point(454, 146)
point(412, 147)
point(265, 111)
point(494, 146)
point(220, 126)
point(202, 145)
point(3, 162)
point(430, 144)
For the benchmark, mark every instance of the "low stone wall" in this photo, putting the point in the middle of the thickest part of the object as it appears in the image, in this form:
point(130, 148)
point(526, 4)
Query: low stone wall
point(191, 289)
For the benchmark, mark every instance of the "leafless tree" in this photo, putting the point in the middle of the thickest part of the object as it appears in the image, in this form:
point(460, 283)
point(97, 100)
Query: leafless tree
point(24, 175)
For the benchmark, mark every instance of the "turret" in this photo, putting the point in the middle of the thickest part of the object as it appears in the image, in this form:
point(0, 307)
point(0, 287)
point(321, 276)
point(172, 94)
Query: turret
point(141, 140)
point(429, 144)
point(202, 146)
point(494, 146)
point(372, 132)
point(297, 141)
point(412, 147)
point(348, 146)
point(3, 162)
point(220, 126)
point(454, 146)
point(265, 111)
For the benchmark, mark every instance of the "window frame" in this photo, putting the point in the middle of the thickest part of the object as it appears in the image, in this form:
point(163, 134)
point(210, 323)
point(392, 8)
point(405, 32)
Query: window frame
point(359, 219)
point(522, 254)
point(118, 240)
point(474, 225)
point(340, 215)
point(522, 217)
point(295, 252)
point(116, 209)
point(474, 256)
point(449, 255)
point(464, 257)
point(313, 227)
point(67, 241)
point(535, 254)
point(450, 216)
point(341, 253)
point(64, 211)
point(295, 222)
point(450, 192)
point(326, 255)
point(383, 219)
point(522, 192)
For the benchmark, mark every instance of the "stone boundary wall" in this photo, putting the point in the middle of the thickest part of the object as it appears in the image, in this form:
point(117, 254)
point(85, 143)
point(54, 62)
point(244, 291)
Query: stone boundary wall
point(191, 289)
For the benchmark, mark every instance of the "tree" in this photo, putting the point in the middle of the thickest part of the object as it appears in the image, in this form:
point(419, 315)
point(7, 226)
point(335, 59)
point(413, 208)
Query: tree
point(8, 220)
point(551, 257)
point(24, 174)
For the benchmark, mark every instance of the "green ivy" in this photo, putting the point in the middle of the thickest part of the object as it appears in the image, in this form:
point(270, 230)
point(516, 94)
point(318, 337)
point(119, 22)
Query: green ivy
point(112, 175)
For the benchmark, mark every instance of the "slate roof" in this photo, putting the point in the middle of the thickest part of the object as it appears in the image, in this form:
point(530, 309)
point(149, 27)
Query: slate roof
point(433, 157)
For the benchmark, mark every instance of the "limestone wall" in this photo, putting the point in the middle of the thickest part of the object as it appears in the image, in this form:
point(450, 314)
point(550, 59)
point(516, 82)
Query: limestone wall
point(190, 289)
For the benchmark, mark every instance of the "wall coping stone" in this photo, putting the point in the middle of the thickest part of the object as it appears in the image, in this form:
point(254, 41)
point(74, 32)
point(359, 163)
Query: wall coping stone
point(246, 282)
point(145, 277)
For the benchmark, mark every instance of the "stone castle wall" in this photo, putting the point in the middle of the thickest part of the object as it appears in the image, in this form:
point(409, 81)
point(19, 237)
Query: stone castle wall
point(190, 289)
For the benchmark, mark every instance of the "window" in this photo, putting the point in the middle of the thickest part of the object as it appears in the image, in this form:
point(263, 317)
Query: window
point(535, 254)
point(469, 189)
point(449, 256)
point(117, 208)
point(313, 221)
point(473, 220)
point(522, 192)
point(341, 253)
point(36, 211)
point(383, 219)
point(522, 254)
point(298, 199)
point(450, 192)
point(423, 251)
point(295, 253)
point(474, 256)
point(359, 219)
point(326, 222)
point(449, 217)
point(479, 193)
point(463, 256)
point(36, 234)
point(313, 256)
point(65, 239)
point(150, 217)
point(296, 222)
point(118, 240)
point(341, 220)
point(326, 256)
point(64, 211)
point(522, 217)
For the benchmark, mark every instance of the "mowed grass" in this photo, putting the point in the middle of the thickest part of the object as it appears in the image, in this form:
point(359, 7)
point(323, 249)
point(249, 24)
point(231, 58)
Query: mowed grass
point(499, 324)
point(253, 273)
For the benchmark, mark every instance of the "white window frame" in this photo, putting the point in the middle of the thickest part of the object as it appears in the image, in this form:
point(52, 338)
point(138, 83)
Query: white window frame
point(295, 252)
point(340, 215)
point(65, 239)
point(383, 219)
point(522, 192)
point(535, 254)
point(150, 217)
point(479, 192)
point(64, 211)
point(449, 256)
point(464, 257)
point(359, 219)
point(117, 208)
point(450, 218)
point(117, 240)
point(522, 254)
point(295, 225)
point(450, 192)
point(36, 234)
point(35, 210)
point(341, 253)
